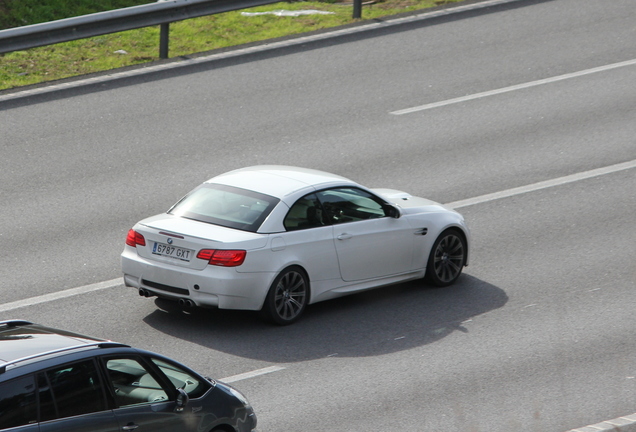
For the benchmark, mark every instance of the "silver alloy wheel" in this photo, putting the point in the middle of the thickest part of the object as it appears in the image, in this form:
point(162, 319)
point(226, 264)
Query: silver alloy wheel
point(287, 296)
point(447, 259)
point(290, 295)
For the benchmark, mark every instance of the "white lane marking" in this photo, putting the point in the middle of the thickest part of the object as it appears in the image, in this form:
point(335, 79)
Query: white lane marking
point(251, 374)
point(61, 294)
point(238, 51)
point(610, 425)
point(456, 204)
point(543, 185)
point(514, 87)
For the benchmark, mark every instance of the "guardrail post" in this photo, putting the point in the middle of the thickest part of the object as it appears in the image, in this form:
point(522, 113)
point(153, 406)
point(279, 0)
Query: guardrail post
point(357, 8)
point(117, 20)
point(164, 40)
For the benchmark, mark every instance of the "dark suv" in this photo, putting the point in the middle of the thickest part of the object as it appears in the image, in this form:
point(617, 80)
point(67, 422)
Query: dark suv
point(54, 380)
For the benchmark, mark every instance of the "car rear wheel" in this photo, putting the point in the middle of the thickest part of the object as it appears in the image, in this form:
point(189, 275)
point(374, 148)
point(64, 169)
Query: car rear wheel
point(287, 297)
point(447, 258)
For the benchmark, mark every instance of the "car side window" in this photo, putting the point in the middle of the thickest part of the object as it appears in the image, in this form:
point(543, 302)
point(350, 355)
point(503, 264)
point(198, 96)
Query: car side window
point(194, 386)
point(133, 383)
point(45, 395)
point(305, 213)
point(343, 205)
point(76, 389)
point(18, 402)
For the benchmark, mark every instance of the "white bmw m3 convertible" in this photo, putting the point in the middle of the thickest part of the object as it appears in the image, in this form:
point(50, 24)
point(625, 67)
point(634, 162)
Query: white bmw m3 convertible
point(277, 238)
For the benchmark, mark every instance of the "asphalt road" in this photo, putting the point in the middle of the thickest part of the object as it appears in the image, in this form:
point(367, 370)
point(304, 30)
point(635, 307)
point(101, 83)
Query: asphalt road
point(538, 334)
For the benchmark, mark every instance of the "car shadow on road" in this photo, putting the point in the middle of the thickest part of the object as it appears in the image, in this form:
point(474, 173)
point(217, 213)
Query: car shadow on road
point(376, 322)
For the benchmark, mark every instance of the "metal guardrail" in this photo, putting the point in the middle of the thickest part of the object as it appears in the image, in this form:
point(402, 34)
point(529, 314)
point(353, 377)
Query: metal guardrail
point(160, 13)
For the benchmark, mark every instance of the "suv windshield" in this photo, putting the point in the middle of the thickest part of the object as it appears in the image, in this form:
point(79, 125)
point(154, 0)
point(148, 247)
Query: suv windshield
point(226, 206)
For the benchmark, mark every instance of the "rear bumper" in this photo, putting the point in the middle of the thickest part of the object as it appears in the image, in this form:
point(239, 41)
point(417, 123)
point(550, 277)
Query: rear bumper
point(214, 286)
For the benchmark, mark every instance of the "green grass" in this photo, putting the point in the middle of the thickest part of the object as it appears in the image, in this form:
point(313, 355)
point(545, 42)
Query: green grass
point(97, 54)
point(14, 13)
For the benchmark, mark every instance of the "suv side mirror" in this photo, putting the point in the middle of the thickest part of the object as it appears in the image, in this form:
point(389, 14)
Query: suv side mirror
point(182, 400)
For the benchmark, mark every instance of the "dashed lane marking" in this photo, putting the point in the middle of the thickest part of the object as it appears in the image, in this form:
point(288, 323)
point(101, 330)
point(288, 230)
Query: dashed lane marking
point(252, 374)
point(61, 294)
point(543, 185)
point(514, 87)
point(621, 424)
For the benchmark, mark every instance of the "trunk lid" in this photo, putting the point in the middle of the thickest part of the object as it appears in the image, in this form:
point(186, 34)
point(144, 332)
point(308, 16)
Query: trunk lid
point(175, 240)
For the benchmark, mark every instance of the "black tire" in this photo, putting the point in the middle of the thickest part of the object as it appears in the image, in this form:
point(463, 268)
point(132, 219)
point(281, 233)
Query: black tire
point(447, 258)
point(287, 297)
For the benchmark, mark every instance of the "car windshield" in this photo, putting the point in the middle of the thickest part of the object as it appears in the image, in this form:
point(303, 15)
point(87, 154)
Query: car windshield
point(226, 206)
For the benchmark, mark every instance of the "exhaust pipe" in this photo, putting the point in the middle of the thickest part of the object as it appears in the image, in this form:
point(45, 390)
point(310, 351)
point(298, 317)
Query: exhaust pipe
point(186, 303)
point(145, 293)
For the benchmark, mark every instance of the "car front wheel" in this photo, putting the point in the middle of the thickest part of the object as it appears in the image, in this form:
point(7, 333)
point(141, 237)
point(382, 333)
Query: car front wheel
point(447, 258)
point(287, 297)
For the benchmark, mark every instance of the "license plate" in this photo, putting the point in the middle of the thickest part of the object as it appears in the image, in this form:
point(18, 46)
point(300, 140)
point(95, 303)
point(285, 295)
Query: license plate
point(172, 252)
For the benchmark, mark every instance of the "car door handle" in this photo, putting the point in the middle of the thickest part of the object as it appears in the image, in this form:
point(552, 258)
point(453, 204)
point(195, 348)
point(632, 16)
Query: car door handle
point(344, 236)
point(130, 426)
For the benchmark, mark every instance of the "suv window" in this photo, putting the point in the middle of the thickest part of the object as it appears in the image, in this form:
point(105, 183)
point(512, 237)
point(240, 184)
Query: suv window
point(17, 402)
point(76, 389)
point(182, 379)
point(133, 382)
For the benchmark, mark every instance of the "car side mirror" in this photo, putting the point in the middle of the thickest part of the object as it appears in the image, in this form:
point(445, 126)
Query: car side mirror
point(392, 211)
point(182, 400)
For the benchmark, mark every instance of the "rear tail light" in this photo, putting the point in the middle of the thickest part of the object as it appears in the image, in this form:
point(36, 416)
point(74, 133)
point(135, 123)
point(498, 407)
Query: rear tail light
point(135, 239)
point(225, 258)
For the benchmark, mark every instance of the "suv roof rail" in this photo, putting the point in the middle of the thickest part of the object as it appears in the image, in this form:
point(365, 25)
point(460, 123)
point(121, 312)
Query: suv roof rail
point(102, 344)
point(15, 323)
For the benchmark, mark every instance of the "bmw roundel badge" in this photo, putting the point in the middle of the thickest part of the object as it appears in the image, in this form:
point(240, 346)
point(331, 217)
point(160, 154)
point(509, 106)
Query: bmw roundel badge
point(169, 241)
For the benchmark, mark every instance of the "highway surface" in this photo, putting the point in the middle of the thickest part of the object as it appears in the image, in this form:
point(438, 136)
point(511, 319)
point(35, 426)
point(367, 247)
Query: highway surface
point(521, 115)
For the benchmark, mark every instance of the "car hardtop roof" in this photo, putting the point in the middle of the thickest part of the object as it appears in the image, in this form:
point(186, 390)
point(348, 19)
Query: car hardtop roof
point(280, 180)
point(23, 340)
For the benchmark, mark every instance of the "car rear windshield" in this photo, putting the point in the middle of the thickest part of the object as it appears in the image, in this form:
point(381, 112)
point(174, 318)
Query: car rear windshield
point(226, 206)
